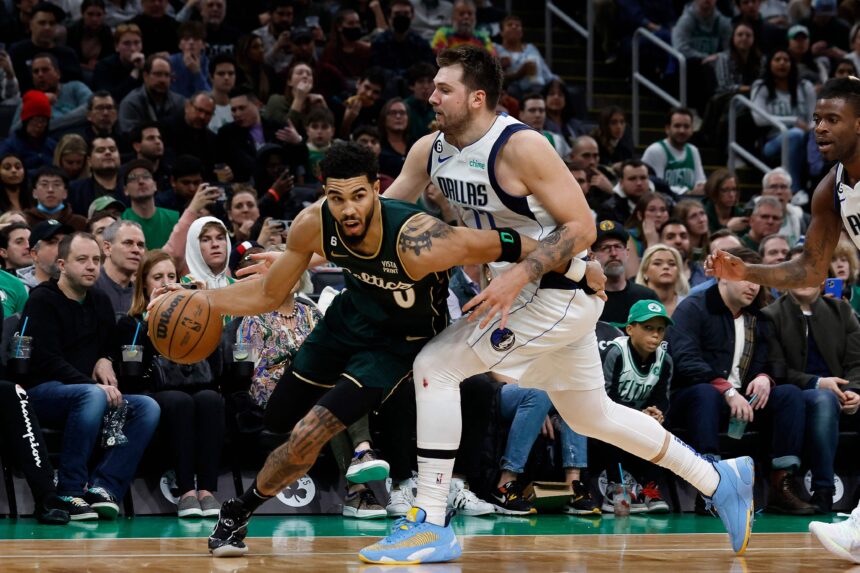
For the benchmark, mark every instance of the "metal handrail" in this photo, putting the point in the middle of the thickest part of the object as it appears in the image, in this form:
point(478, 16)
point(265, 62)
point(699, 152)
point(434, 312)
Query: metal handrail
point(638, 78)
point(736, 148)
point(587, 32)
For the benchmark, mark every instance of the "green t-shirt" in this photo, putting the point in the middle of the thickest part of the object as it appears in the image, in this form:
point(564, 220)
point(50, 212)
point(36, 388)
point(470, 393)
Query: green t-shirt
point(157, 228)
point(13, 294)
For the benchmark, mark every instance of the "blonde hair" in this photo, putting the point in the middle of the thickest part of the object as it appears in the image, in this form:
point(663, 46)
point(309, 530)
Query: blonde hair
point(6, 218)
point(845, 248)
point(72, 143)
point(682, 286)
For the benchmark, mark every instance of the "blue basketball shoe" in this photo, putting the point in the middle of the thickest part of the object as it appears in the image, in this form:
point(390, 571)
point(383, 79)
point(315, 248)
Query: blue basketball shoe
point(733, 499)
point(413, 541)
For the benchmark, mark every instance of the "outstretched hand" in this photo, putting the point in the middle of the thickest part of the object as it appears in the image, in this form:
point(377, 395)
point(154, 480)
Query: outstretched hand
point(722, 265)
point(264, 261)
point(498, 297)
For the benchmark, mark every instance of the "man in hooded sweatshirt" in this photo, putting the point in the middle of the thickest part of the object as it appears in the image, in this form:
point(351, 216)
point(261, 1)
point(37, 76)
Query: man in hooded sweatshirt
point(207, 253)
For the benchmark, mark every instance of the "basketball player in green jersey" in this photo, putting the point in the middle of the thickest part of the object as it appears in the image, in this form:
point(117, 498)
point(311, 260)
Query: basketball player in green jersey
point(396, 260)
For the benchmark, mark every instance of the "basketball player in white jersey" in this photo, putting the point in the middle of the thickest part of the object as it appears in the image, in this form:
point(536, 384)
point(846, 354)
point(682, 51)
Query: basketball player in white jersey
point(835, 205)
point(536, 325)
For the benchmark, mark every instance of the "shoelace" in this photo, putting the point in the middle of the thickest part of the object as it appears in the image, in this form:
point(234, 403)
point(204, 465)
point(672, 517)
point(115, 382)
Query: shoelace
point(100, 491)
point(76, 501)
point(367, 497)
point(469, 496)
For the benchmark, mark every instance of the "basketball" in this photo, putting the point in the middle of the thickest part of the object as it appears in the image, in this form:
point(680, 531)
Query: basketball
point(183, 327)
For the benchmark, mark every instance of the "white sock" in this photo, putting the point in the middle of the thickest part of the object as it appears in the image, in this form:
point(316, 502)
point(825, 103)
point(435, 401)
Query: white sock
point(434, 483)
point(683, 460)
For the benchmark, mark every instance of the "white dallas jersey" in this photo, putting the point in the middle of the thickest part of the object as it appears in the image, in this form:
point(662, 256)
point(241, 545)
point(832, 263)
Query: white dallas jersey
point(467, 178)
point(847, 201)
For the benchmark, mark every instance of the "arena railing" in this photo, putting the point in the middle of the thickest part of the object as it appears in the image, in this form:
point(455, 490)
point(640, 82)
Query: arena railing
point(736, 149)
point(638, 78)
point(586, 32)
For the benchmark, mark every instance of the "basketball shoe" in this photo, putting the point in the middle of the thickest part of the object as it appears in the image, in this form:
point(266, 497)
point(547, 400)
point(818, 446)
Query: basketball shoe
point(461, 499)
point(412, 541)
point(734, 499)
point(366, 466)
point(227, 540)
point(841, 539)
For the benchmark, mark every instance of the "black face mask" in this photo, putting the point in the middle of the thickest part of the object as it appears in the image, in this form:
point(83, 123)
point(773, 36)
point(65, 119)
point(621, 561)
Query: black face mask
point(351, 34)
point(401, 23)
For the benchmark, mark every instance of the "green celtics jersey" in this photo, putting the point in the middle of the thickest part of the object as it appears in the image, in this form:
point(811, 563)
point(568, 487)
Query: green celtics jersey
point(679, 173)
point(381, 299)
point(629, 385)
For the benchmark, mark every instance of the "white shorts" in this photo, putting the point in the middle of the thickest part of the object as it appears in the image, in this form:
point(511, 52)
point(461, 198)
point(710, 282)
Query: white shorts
point(548, 342)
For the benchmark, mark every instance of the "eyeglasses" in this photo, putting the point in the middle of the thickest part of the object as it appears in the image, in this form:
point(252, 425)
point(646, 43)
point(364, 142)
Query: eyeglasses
point(139, 177)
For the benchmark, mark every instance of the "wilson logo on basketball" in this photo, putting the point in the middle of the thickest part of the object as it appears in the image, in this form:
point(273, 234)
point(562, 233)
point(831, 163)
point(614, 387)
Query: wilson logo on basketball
point(164, 317)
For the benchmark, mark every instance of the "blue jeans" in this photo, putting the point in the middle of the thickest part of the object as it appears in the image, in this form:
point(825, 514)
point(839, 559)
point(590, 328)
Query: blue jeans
point(574, 448)
point(77, 410)
point(822, 435)
point(796, 153)
point(702, 411)
point(526, 409)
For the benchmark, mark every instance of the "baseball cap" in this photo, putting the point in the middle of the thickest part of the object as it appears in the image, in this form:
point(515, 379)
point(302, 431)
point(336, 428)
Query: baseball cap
point(611, 230)
point(796, 30)
point(240, 251)
point(48, 230)
point(136, 164)
point(645, 310)
point(105, 202)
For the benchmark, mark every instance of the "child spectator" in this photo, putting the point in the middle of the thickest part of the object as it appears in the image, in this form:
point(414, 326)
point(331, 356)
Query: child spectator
point(50, 190)
point(844, 265)
point(190, 64)
point(421, 114)
point(320, 128)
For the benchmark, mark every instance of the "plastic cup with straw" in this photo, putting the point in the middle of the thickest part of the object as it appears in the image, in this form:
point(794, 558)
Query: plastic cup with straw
point(21, 337)
point(621, 500)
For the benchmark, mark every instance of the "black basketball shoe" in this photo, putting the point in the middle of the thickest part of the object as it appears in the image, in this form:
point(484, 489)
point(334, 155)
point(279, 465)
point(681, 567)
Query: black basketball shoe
point(230, 531)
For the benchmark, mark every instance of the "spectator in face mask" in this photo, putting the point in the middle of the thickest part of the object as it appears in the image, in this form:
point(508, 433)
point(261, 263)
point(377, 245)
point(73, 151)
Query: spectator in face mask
point(400, 47)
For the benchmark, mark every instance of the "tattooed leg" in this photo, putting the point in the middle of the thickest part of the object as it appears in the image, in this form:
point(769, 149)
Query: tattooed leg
point(293, 459)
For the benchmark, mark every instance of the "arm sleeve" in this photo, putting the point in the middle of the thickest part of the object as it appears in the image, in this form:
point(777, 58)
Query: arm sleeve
point(175, 245)
point(809, 99)
point(777, 357)
point(685, 340)
point(700, 170)
point(759, 99)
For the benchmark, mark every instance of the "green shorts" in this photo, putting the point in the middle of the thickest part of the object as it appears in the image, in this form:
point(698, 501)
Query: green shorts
point(371, 361)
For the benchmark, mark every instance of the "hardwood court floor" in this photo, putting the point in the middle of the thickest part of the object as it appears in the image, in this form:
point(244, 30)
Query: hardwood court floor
point(329, 544)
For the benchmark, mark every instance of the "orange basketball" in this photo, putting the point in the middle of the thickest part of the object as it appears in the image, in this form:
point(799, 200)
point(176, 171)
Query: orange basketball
point(183, 328)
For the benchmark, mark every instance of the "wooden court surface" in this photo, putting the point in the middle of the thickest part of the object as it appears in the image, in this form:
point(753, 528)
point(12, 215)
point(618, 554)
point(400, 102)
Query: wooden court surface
point(664, 553)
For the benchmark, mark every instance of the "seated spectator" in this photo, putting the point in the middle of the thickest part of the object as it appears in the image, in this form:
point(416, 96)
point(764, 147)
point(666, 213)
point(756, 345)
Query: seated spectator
point(766, 219)
point(844, 265)
point(722, 240)
point(777, 183)
point(808, 67)
point(44, 239)
point(252, 71)
point(637, 369)
point(700, 34)
point(430, 15)
point(70, 156)
point(102, 121)
point(421, 114)
point(611, 251)
point(844, 68)
point(190, 135)
point(73, 383)
point(104, 180)
point(140, 188)
point(717, 374)
point(10, 91)
point(828, 33)
point(400, 48)
point(585, 154)
point(222, 75)
point(774, 249)
point(15, 247)
point(524, 66)
point(89, 37)
point(185, 179)
point(533, 114)
point(345, 52)
point(298, 101)
point(190, 65)
point(153, 101)
point(100, 221)
point(651, 211)
point(613, 141)
point(157, 27)
point(120, 73)
point(721, 203)
point(13, 293)
point(661, 272)
point(673, 159)
point(147, 142)
point(854, 39)
point(768, 36)
point(368, 136)
point(792, 101)
point(275, 35)
point(14, 185)
point(674, 233)
point(632, 186)
point(68, 99)
point(242, 213)
point(363, 107)
point(192, 416)
point(206, 251)
point(26, 444)
point(561, 113)
point(119, 12)
point(123, 245)
point(462, 30)
point(220, 36)
point(816, 345)
point(320, 130)
point(44, 19)
point(50, 192)
point(30, 142)
point(692, 215)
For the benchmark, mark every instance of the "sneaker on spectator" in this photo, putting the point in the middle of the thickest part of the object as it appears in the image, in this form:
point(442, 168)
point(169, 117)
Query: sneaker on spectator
point(650, 496)
point(209, 506)
point(103, 502)
point(189, 507)
point(52, 511)
point(636, 505)
point(509, 500)
point(822, 499)
point(461, 498)
point(363, 505)
point(401, 497)
point(79, 510)
point(581, 502)
point(365, 467)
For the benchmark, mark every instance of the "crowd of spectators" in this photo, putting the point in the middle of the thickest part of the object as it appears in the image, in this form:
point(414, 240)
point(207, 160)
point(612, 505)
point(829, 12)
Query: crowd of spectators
point(158, 142)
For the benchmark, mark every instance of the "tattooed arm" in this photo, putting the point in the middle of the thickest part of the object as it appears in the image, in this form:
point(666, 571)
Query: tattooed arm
point(810, 268)
point(427, 245)
point(293, 459)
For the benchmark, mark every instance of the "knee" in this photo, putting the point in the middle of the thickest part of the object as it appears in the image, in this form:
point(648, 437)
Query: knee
point(175, 402)
point(146, 409)
point(208, 401)
point(796, 135)
point(91, 398)
point(822, 402)
point(538, 399)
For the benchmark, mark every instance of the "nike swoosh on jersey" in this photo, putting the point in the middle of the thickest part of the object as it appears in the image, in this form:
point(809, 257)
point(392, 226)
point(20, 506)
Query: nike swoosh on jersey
point(414, 338)
point(444, 159)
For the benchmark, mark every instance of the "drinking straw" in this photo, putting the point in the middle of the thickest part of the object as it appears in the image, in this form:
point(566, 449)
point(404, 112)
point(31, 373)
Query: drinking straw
point(136, 331)
point(21, 337)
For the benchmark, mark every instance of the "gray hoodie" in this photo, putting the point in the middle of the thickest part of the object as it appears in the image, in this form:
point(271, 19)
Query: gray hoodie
point(28, 277)
point(698, 37)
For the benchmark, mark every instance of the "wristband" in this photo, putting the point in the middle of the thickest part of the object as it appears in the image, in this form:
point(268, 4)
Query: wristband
point(512, 245)
point(576, 270)
point(274, 194)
